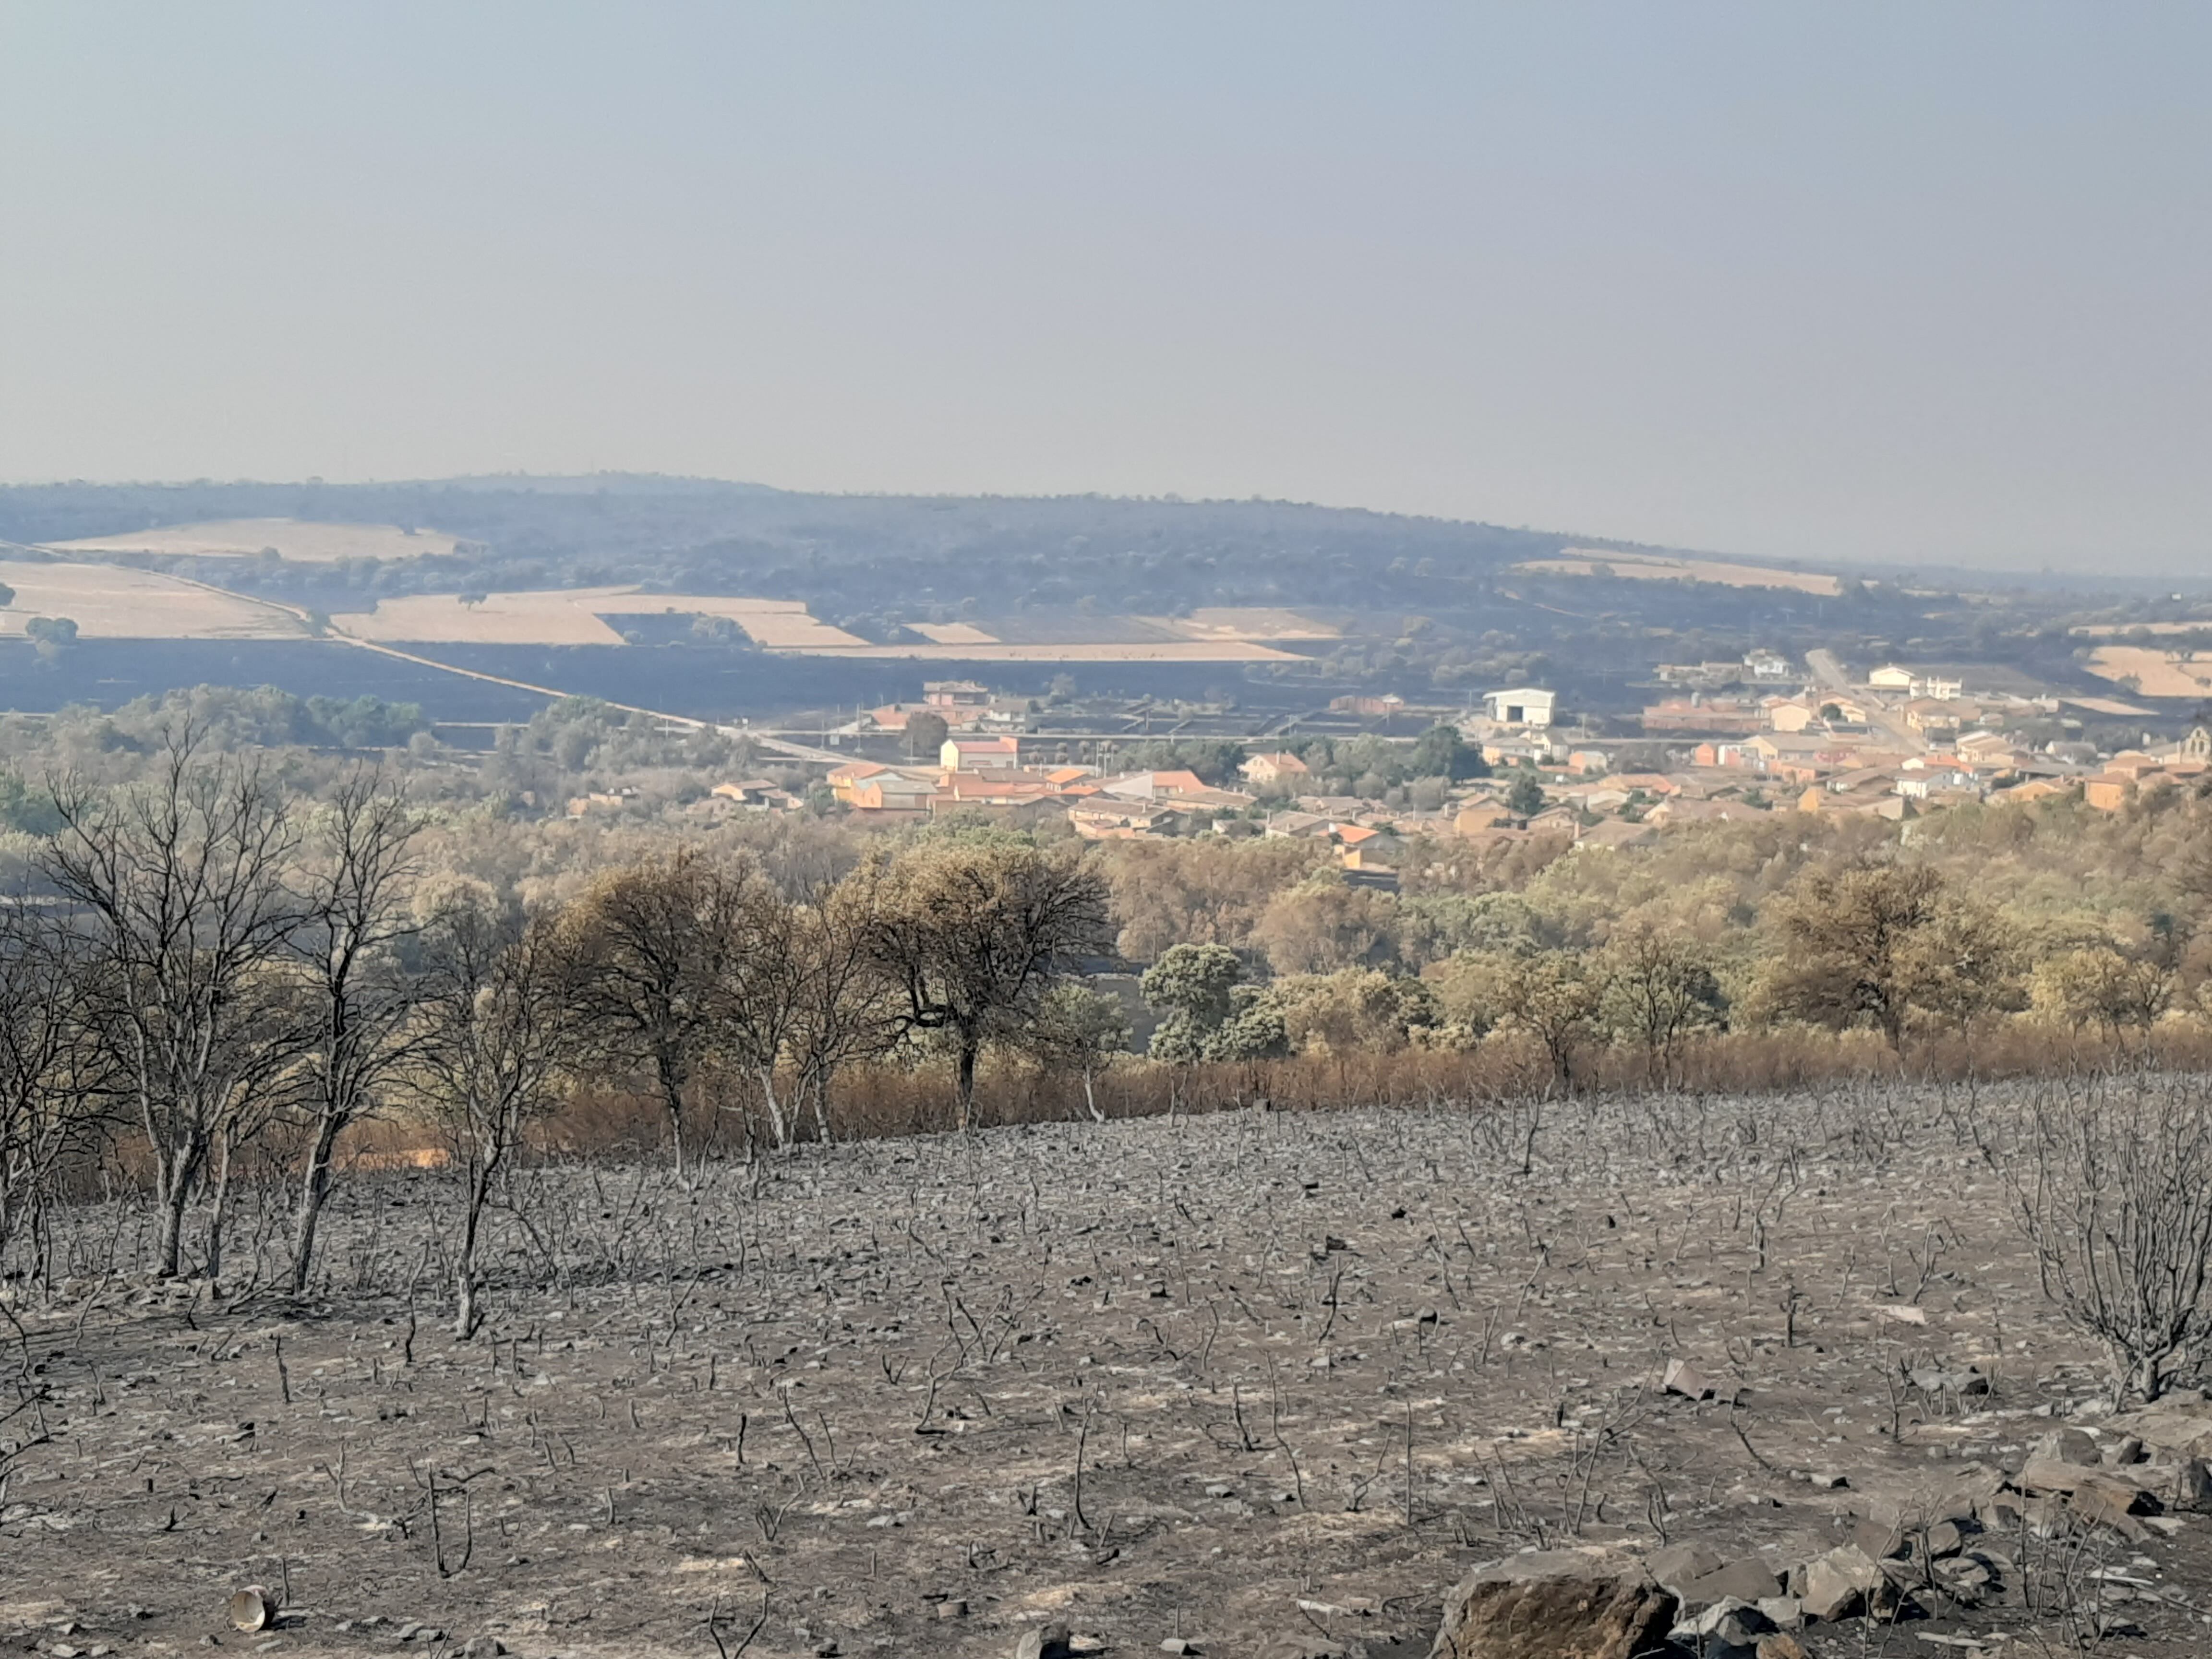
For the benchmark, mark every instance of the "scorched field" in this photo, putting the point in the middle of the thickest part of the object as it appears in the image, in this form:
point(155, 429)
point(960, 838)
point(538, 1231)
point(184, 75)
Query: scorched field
point(1255, 1383)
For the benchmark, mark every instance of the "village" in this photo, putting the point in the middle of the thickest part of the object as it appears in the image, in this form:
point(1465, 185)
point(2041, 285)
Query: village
point(1723, 742)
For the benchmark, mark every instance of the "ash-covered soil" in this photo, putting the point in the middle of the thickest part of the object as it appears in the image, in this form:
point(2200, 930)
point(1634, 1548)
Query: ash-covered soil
point(1267, 1384)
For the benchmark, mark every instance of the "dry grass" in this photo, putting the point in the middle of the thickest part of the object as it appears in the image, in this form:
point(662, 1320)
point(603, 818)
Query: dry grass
point(782, 630)
point(551, 618)
point(890, 1100)
point(953, 634)
point(109, 602)
point(294, 538)
point(2156, 673)
point(1643, 567)
point(2122, 630)
point(1251, 622)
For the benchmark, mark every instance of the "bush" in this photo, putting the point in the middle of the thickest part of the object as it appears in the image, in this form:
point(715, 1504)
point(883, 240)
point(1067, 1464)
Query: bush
point(2115, 1196)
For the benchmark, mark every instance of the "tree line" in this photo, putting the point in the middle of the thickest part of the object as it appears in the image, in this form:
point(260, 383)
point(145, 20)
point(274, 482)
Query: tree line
point(210, 971)
point(209, 965)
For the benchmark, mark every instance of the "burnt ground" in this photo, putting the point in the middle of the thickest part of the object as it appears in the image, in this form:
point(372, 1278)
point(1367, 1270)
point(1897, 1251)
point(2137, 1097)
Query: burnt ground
point(1242, 1380)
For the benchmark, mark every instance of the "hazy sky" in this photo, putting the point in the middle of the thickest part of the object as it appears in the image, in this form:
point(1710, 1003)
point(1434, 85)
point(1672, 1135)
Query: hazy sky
point(1917, 280)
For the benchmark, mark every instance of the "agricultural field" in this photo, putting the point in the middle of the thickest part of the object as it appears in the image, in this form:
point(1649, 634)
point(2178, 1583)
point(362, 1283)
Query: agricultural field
point(593, 616)
point(575, 615)
point(1255, 622)
point(291, 538)
point(112, 602)
point(1644, 566)
point(2151, 672)
point(1263, 1383)
point(1159, 651)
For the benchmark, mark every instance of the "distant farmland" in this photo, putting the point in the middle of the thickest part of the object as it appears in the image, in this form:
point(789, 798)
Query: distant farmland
point(113, 602)
point(292, 539)
point(1643, 567)
point(577, 615)
point(2154, 672)
point(593, 615)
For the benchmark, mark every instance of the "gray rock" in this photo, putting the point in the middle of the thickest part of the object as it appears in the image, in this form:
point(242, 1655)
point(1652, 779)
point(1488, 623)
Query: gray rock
point(1783, 1611)
point(1045, 1642)
point(1733, 1623)
point(1681, 1564)
point(2187, 1485)
point(1556, 1604)
point(1879, 1536)
point(1944, 1538)
point(2065, 1446)
point(1685, 1379)
point(1839, 1584)
point(1747, 1580)
point(2119, 1454)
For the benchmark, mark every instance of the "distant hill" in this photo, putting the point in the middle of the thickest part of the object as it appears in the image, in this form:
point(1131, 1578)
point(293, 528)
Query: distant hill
point(847, 555)
point(599, 483)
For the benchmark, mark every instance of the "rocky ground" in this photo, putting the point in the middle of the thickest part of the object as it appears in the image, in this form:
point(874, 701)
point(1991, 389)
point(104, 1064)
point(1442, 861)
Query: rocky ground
point(1256, 1385)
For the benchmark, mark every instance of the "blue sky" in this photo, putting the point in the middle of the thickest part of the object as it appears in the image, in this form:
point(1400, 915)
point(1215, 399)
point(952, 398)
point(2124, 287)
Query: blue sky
point(1884, 280)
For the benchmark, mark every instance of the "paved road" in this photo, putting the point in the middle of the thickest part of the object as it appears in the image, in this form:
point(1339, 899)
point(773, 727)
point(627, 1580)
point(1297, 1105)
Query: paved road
point(779, 745)
point(1830, 673)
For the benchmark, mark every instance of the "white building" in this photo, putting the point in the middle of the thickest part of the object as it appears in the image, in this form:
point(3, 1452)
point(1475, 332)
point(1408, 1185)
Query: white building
point(1525, 706)
point(1891, 676)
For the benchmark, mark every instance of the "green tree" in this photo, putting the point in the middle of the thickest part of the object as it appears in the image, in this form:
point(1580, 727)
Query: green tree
point(1526, 798)
point(1442, 752)
point(926, 732)
point(1884, 944)
point(1080, 1030)
point(1356, 1009)
point(2100, 985)
point(1658, 992)
point(1555, 996)
point(1193, 986)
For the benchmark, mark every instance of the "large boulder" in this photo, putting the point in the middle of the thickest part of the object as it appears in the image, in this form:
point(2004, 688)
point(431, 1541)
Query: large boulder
point(1841, 1584)
point(1556, 1604)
